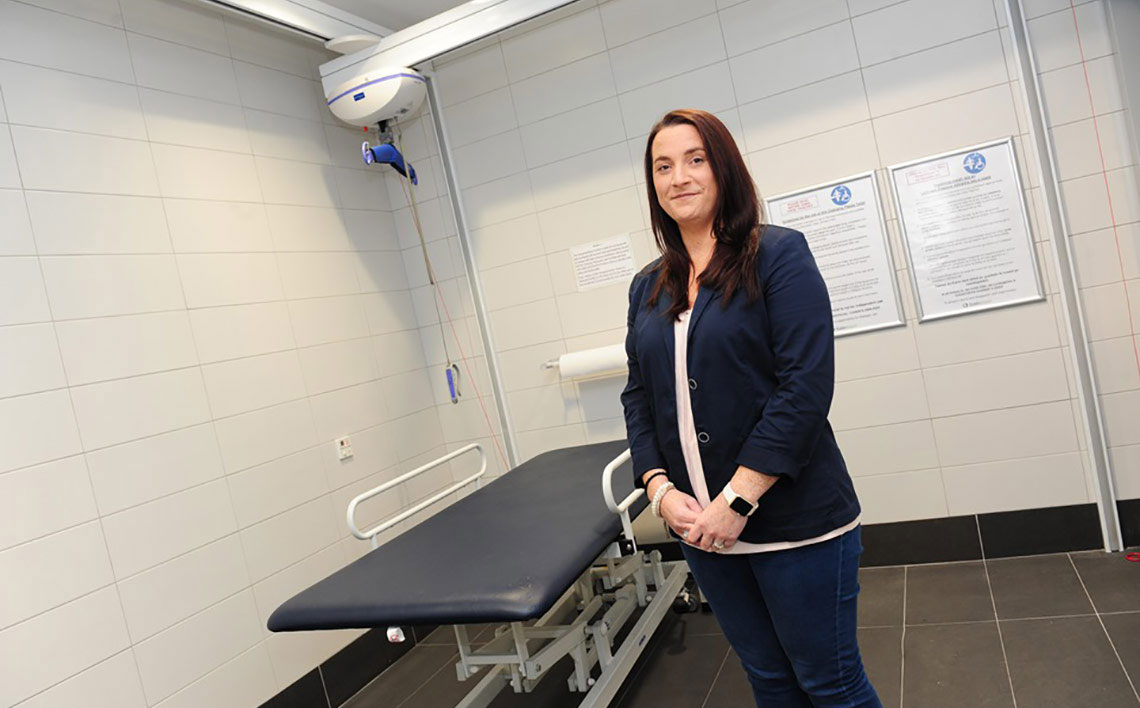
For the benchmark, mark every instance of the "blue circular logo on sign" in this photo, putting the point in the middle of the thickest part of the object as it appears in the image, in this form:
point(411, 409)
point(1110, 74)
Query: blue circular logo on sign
point(974, 163)
point(841, 195)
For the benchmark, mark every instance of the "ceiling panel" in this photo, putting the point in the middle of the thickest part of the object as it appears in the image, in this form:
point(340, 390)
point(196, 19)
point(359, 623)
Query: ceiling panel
point(395, 14)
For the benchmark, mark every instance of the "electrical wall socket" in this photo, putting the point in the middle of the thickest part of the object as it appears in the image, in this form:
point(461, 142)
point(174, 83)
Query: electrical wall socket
point(343, 448)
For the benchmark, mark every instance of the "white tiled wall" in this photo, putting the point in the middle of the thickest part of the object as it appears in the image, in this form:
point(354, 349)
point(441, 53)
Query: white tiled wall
point(1087, 116)
point(964, 415)
point(201, 287)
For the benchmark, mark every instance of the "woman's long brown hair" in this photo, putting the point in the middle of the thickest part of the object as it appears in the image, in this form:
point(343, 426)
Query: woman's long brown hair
point(737, 226)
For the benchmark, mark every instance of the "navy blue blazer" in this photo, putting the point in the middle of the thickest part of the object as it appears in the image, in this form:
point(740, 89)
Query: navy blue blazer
point(761, 377)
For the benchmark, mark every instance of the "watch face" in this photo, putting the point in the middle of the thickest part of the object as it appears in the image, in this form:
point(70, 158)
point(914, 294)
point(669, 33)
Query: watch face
point(741, 506)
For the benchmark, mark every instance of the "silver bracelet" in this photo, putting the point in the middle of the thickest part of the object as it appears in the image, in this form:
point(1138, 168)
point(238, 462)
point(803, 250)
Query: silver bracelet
point(655, 506)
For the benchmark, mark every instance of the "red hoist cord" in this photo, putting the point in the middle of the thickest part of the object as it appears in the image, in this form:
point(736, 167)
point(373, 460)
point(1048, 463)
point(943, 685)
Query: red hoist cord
point(471, 378)
point(1131, 557)
point(1108, 191)
point(409, 194)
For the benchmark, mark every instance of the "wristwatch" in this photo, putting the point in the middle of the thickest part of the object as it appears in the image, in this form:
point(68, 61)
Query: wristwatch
point(738, 503)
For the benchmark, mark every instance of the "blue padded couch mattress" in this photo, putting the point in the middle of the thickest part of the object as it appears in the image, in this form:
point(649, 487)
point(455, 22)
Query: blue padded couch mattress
point(505, 552)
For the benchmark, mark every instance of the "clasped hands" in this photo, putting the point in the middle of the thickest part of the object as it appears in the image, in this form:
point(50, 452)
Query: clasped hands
point(714, 528)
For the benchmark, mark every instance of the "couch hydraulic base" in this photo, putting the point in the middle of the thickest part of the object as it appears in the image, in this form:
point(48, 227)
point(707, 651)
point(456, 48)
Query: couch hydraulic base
point(592, 611)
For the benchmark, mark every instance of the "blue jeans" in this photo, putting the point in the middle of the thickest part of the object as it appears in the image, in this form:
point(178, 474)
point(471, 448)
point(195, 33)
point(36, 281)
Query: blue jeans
point(790, 615)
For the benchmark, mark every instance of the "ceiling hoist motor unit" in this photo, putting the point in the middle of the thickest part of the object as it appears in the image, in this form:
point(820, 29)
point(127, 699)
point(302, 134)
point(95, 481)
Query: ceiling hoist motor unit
point(382, 98)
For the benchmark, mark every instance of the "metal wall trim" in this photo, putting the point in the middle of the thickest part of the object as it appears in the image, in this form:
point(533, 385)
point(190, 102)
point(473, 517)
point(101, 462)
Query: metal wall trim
point(490, 353)
point(1096, 447)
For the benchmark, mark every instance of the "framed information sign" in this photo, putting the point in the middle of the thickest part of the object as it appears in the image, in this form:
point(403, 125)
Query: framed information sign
point(844, 226)
point(966, 230)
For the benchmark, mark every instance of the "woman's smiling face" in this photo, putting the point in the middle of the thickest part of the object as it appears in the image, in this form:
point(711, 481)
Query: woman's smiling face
point(682, 177)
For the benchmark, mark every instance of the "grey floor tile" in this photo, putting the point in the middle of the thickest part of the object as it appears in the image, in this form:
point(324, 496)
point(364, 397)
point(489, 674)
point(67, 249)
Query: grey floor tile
point(442, 635)
point(700, 623)
point(881, 648)
point(1125, 632)
point(1064, 662)
point(731, 687)
point(405, 677)
point(442, 690)
point(1037, 586)
point(951, 592)
point(1113, 582)
point(881, 597)
point(420, 631)
point(952, 666)
point(678, 675)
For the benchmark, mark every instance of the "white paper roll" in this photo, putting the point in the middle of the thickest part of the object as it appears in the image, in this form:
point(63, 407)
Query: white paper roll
point(593, 362)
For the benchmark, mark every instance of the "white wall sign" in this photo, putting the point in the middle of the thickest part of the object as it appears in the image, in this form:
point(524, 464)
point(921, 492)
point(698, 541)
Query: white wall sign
point(602, 263)
point(843, 224)
point(966, 230)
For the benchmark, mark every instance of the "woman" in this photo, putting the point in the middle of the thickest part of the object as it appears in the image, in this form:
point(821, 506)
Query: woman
point(726, 414)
